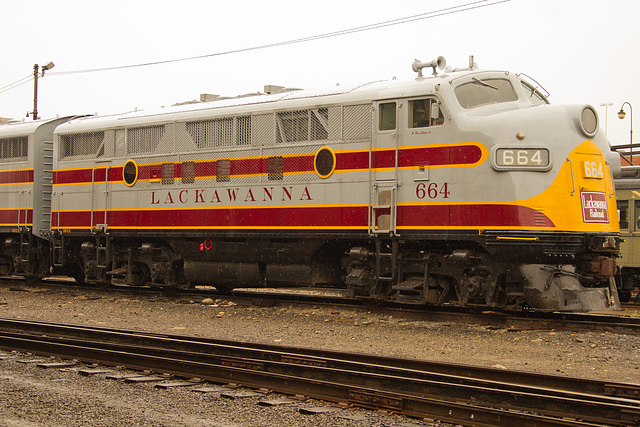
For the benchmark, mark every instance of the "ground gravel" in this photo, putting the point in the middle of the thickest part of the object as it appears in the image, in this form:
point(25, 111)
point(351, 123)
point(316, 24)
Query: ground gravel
point(32, 396)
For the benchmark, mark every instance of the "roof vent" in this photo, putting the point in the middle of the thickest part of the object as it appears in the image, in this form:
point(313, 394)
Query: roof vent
point(208, 97)
point(269, 89)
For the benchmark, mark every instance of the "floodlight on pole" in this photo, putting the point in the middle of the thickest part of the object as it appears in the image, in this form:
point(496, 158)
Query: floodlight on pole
point(36, 67)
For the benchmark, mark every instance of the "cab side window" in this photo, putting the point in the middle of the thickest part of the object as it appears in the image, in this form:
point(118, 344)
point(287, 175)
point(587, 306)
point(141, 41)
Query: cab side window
point(623, 214)
point(387, 118)
point(425, 113)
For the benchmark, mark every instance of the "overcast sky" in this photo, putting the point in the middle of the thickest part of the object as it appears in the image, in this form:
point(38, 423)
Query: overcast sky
point(581, 51)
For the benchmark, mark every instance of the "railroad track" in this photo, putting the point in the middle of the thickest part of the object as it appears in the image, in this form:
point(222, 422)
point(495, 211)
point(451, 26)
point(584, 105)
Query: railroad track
point(453, 393)
point(578, 322)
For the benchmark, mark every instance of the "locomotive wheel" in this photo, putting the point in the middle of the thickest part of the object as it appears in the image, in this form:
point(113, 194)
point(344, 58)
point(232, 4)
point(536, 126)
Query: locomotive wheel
point(76, 270)
point(6, 266)
point(224, 289)
point(31, 279)
point(139, 274)
point(371, 302)
point(624, 295)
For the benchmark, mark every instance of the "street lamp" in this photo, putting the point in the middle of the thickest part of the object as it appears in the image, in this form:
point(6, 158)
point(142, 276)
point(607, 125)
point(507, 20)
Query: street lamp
point(606, 106)
point(45, 67)
point(621, 115)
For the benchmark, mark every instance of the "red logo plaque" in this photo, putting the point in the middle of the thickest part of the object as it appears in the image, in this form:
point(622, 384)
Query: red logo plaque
point(594, 206)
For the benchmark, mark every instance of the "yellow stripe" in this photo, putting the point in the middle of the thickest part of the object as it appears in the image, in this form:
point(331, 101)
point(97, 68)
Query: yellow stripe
point(186, 208)
point(314, 227)
point(15, 170)
point(472, 227)
point(18, 183)
point(84, 169)
point(535, 239)
point(469, 203)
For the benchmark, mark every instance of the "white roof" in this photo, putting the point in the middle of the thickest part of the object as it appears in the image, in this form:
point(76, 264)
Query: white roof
point(21, 128)
point(202, 110)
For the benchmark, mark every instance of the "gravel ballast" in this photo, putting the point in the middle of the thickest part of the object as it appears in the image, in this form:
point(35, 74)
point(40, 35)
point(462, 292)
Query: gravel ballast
point(32, 396)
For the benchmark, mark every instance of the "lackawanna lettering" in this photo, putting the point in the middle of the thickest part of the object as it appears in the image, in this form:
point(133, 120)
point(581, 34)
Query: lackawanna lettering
point(597, 213)
point(245, 195)
point(595, 204)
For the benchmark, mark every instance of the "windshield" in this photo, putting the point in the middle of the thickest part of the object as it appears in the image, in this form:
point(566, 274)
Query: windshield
point(484, 92)
point(534, 95)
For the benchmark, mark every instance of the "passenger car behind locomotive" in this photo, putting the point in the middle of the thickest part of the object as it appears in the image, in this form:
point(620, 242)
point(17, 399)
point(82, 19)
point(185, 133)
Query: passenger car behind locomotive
point(461, 188)
point(628, 198)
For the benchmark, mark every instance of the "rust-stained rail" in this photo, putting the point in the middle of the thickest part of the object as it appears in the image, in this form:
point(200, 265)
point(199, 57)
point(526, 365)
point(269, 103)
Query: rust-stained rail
point(455, 393)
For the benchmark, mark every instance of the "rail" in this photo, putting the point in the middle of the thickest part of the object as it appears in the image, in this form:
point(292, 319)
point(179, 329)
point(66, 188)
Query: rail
point(453, 393)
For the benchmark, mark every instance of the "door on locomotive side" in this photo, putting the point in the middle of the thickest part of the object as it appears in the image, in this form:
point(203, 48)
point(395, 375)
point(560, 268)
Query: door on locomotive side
point(383, 167)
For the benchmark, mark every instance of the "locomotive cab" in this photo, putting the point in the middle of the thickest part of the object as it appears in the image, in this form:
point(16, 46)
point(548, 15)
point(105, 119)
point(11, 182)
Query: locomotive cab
point(515, 212)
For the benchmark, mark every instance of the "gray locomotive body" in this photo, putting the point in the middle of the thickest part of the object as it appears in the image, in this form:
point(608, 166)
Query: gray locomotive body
point(462, 188)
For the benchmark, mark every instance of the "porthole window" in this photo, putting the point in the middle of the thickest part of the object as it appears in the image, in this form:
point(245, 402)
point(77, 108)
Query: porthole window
point(130, 173)
point(324, 162)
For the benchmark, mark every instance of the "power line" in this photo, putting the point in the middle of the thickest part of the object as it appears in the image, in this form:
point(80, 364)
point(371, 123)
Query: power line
point(427, 15)
point(17, 83)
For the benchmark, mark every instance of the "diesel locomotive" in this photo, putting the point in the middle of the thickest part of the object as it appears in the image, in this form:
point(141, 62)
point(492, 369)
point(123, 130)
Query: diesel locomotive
point(455, 187)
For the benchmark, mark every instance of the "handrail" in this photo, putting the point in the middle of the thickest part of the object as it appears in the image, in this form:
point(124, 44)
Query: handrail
point(572, 180)
point(93, 186)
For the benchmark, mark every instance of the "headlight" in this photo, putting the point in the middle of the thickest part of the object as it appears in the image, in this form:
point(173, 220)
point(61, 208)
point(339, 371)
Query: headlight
point(589, 121)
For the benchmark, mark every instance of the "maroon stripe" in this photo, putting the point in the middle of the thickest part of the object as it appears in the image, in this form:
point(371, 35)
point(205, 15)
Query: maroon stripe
point(72, 176)
point(16, 177)
point(471, 216)
point(10, 216)
point(352, 161)
point(384, 158)
point(256, 217)
point(437, 156)
point(439, 216)
point(84, 176)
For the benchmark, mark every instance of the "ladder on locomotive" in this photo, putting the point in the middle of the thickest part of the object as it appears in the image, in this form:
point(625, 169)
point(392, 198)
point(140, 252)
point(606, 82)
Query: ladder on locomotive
point(57, 250)
point(386, 255)
point(102, 251)
point(382, 226)
point(24, 246)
